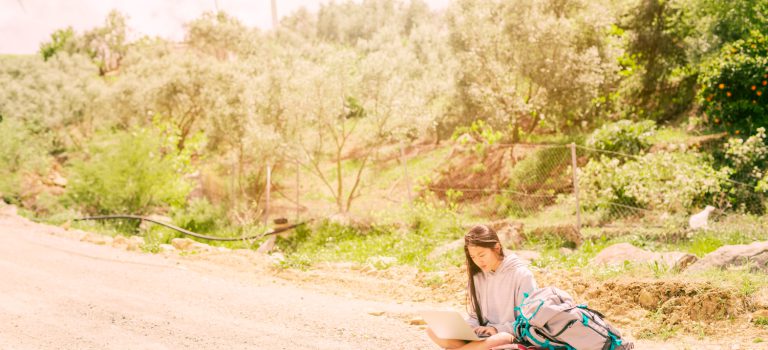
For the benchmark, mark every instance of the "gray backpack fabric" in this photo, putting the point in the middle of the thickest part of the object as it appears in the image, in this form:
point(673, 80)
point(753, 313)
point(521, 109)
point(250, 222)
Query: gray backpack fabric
point(549, 318)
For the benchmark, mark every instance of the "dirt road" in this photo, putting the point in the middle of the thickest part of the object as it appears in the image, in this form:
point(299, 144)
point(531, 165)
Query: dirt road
point(59, 293)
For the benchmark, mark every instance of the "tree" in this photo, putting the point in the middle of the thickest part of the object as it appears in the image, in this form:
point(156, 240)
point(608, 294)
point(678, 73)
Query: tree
point(108, 45)
point(62, 40)
point(734, 85)
point(218, 34)
point(531, 64)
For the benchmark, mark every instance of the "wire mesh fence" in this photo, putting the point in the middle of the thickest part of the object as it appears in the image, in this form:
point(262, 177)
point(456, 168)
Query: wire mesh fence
point(536, 184)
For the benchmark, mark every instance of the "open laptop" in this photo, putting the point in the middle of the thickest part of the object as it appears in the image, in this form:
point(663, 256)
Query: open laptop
point(449, 324)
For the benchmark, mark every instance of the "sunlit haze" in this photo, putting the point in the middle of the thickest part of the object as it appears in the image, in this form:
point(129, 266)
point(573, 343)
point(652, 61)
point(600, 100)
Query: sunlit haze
point(24, 24)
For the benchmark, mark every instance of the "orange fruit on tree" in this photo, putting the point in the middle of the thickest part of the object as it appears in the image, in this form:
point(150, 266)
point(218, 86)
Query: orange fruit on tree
point(729, 94)
point(753, 87)
point(721, 86)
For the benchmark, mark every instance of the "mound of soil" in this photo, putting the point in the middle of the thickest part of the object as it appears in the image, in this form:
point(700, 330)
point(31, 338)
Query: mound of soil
point(475, 176)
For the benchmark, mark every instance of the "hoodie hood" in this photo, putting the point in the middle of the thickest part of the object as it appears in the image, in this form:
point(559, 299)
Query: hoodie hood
point(511, 262)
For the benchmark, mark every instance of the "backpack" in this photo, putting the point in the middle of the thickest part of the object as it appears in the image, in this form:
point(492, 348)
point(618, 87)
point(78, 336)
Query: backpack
point(548, 318)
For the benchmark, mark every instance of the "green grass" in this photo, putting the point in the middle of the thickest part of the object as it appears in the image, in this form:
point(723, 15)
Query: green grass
point(667, 135)
point(408, 239)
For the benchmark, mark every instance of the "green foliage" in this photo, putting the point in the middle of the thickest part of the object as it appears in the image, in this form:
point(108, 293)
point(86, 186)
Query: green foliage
point(62, 40)
point(735, 19)
point(746, 162)
point(132, 172)
point(671, 182)
point(22, 151)
point(660, 46)
point(536, 180)
point(199, 215)
point(54, 97)
point(734, 83)
point(624, 137)
point(481, 134)
point(428, 227)
point(533, 65)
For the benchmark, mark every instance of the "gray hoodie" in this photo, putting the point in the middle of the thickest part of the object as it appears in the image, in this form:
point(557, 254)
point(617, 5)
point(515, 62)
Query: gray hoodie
point(499, 292)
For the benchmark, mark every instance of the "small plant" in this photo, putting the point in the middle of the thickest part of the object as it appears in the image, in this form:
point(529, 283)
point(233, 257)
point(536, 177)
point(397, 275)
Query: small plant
point(481, 133)
point(452, 198)
point(761, 321)
point(623, 136)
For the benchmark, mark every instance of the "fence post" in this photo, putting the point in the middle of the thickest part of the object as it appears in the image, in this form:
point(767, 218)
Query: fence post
point(574, 169)
point(405, 171)
point(298, 186)
point(267, 245)
point(269, 184)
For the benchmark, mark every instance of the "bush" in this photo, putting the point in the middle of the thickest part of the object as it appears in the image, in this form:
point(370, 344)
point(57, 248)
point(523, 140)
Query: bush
point(132, 172)
point(22, 151)
point(658, 181)
point(536, 180)
point(199, 216)
point(734, 85)
point(623, 136)
point(746, 162)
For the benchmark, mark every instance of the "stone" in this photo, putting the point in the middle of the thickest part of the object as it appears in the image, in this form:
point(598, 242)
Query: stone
point(565, 251)
point(96, 239)
point(439, 251)
point(167, 248)
point(579, 288)
point(699, 220)
point(182, 243)
point(753, 256)
point(200, 247)
point(416, 321)
point(381, 262)
point(276, 258)
point(120, 242)
point(619, 253)
point(58, 180)
point(510, 232)
point(647, 300)
point(8, 210)
point(760, 314)
point(375, 312)
point(527, 255)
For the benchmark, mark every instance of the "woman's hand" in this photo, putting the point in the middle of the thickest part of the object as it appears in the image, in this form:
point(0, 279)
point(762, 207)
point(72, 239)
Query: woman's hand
point(487, 331)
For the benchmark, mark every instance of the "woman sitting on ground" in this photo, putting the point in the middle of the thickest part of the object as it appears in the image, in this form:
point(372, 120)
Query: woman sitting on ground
point(496, 284)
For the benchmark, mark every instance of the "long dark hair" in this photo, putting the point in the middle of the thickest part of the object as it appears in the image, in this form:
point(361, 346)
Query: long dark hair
point(479, 236)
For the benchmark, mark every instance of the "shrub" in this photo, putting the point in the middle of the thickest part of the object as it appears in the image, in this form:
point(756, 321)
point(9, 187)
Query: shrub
point(658, 181)
point(199, 216)
point(22, 151)
point(623, 136)
point(746, 162)
point(536, 180)
point(734, 85)
point(481, 134)
point(133, 172)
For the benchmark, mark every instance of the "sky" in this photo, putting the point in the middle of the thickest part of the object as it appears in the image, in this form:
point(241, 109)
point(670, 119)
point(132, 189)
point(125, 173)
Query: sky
point(24, 24)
